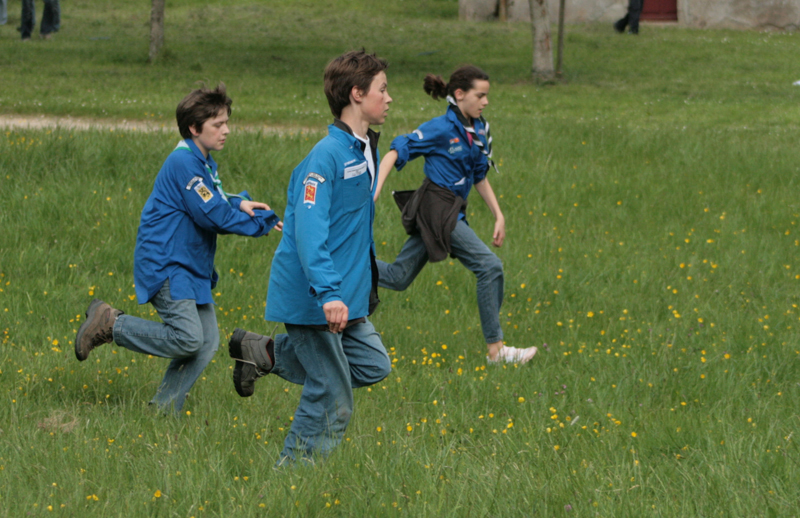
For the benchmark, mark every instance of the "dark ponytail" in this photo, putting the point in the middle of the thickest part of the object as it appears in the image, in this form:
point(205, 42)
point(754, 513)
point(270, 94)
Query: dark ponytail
point(463, 79)
point(435, 87)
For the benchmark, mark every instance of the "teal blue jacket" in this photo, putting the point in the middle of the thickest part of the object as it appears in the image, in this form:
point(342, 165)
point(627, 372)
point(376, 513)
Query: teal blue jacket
point(327, 240)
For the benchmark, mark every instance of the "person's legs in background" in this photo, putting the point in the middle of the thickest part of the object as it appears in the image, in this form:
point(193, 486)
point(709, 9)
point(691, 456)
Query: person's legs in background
point(51, 18)
point(28, 19)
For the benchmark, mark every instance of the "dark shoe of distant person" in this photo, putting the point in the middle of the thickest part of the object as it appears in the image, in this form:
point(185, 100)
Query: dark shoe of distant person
point(253, 359)
point(97, 329)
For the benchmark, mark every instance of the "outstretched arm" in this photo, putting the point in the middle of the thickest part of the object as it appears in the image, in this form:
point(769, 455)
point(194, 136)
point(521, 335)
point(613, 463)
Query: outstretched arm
point(387, 164)
point(485, 190)
point(248, 207)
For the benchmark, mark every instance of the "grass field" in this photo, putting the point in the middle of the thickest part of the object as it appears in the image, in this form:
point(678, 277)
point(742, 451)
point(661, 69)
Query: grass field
point(651, 254)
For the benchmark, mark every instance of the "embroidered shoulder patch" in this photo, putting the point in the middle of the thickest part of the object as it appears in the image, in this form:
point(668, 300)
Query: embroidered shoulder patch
point(310, 195)
point(203, 192)
point(454, 141)
point(315, 176)
point(193, 181)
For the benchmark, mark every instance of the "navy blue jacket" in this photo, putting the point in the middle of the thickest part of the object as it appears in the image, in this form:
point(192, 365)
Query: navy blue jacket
point(450, 161)
point(177, 236)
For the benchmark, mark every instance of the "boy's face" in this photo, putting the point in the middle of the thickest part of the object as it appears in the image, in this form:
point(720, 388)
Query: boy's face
point(213, 133)
point(375, 102)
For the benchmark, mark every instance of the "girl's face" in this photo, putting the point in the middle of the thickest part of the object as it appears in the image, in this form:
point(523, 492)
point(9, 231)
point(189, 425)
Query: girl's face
point(472, 102)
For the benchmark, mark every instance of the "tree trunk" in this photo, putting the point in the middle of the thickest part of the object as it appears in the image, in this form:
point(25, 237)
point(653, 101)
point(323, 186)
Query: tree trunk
point(156, 28)
point(560, 51)
point(542, 47)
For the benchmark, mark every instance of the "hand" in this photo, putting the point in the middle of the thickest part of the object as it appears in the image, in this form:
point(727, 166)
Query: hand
point(499, 232)
point(336, 314)
point(278, 226)
point(247, 207)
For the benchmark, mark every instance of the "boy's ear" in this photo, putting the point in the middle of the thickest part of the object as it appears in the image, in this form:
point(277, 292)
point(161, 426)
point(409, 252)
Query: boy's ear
point(459, 94)
point(194, 131)
point(356, 94)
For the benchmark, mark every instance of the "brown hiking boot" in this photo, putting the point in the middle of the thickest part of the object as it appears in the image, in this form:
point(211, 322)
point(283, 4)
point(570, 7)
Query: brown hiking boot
point(252, 360)
point(97, 329)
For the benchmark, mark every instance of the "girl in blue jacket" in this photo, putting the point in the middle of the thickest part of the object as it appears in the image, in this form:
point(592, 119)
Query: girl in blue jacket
point(457, 148)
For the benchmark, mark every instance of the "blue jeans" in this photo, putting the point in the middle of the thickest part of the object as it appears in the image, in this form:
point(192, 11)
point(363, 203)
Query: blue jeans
point(189, 336)
point(474, 254)
point(329, 366)
point(51, 18)
point(3, 12)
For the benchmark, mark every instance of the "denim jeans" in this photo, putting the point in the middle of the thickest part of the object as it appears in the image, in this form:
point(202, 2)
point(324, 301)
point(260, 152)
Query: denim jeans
point(3, 12)
point(474, 254)
point(329, 366)
point(189, 336)
point(51, 18)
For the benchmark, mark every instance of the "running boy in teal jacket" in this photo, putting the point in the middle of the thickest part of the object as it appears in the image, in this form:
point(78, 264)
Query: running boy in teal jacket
point(323, 278)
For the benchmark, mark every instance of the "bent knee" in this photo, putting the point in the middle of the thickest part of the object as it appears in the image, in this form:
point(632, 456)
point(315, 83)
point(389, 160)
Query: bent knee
point(190, 345)
point(194, 345)
point(366, 375)
point(380, 370)
point(492, 268)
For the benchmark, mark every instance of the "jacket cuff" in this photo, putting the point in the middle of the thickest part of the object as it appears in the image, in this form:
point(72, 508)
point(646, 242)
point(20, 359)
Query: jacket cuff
point(402, 155)
point(328, 296)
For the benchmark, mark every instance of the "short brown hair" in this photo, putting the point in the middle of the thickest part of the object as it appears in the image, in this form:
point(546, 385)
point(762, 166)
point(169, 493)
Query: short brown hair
point(354, 68)
point(199, 106)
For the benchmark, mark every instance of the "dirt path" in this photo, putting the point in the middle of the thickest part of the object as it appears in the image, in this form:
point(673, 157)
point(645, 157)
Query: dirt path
point(12, 122)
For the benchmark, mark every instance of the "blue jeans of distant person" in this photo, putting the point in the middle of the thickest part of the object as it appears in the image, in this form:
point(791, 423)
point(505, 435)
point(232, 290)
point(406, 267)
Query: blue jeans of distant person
point(474, 254)
point(329, 366)
point(189, 336)
point(3, 12)
point(51, 18)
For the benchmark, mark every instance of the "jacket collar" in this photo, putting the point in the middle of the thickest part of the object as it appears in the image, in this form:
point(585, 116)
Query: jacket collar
point(454, 115)
point(199, 154)
point(372, 136)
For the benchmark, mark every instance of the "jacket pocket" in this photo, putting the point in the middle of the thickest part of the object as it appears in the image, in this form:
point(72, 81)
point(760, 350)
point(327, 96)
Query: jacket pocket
point(355, 187)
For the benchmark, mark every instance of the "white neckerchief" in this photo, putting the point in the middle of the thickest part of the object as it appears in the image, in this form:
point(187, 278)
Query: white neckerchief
point(487, 149)
point(370, 161)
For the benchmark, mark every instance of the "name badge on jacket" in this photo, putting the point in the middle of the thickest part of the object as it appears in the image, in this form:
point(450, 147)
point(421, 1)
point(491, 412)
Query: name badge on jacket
point(356, 170)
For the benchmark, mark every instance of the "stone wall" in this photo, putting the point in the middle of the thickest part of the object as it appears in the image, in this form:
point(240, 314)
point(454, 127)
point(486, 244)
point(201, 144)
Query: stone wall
point(737, 14)
point(740, 14)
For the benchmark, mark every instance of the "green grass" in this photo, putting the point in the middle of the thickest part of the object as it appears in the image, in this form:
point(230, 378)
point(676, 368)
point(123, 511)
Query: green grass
point(652, 243)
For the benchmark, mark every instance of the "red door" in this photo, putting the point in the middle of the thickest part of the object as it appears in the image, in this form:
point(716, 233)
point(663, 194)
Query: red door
point(660, 10)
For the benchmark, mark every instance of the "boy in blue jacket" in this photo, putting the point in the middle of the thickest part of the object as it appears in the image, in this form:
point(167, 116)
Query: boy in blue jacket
point(323, 282)
point(174, 254)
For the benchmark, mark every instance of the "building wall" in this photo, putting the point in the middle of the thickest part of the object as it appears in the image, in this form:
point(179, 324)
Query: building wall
point(737, 14)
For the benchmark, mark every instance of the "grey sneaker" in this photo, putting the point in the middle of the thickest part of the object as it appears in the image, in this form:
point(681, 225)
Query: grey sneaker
point(252, 360)
point(97, 329)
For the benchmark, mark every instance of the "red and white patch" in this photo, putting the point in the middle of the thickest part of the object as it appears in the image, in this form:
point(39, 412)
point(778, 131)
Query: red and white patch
point(454, 140)
point(310, 195)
